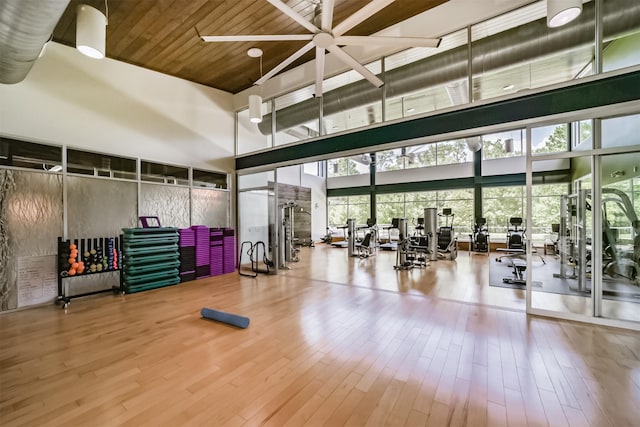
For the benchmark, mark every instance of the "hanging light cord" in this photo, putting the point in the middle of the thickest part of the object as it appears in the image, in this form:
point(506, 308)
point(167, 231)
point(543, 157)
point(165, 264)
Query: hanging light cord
point(106, 11)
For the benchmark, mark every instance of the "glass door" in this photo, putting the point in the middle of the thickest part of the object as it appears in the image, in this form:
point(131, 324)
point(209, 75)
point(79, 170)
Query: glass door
point(257, 223)
point(560, 218)
point(620, 265)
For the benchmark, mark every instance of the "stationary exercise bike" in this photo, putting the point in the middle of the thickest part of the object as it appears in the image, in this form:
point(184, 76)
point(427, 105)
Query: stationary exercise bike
point(480, 236)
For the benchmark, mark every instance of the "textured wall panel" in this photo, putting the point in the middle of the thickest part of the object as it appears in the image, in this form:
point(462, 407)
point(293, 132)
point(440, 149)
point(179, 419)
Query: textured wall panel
point(99, 207)
point(169, 203)
point(209, 207)
point(34, 222)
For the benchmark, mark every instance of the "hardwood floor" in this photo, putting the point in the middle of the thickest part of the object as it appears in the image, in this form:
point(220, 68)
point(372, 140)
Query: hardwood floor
point(328, 345)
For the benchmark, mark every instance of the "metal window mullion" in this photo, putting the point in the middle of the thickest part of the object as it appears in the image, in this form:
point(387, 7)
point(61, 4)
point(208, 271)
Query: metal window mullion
point(529, 216)
point(384, 91)
point(596, 202)
point(65, 211)
point(599, 23)
point(139, 186)
point(469, 65)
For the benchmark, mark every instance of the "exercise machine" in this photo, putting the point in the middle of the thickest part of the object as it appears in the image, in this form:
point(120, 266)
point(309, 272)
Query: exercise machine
point(351, 237)
point(369, 244)
point(447, 240)
point(516, 252)
point(391, 245)
point(365, 248)
point(619, 260)
point(328, 238)
point(516, 242)
point(516, 234)
point(408, 256)
point(479, 239)
point(288, 250)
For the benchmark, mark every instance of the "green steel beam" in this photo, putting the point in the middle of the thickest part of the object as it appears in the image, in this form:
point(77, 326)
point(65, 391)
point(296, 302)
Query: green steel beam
point(591, 94)
point(477, 184)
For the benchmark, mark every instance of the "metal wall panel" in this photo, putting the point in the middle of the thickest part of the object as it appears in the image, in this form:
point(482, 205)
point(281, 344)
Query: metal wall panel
point(209, 207)
point(34, 222)
point(169, 203)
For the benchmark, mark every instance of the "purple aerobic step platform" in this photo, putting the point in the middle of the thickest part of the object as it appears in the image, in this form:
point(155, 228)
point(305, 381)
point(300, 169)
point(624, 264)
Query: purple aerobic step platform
point(229, 251)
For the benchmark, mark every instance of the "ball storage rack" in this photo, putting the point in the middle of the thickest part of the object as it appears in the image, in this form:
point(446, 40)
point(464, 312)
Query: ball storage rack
point(83, 257)
point(150, 258)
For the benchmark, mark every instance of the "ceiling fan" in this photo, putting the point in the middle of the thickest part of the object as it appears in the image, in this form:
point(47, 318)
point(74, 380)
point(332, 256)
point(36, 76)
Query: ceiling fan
point(327, 37)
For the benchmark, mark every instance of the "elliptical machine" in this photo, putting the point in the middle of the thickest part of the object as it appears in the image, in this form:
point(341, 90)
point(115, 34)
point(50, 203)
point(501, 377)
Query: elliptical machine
point(480, 236)
point(447, 242)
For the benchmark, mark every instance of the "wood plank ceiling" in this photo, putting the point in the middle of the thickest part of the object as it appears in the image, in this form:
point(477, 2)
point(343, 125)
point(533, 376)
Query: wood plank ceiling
point(161, 34)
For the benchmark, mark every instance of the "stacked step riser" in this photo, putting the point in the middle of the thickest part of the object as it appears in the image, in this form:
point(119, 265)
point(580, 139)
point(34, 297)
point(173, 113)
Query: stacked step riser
point(151, 258)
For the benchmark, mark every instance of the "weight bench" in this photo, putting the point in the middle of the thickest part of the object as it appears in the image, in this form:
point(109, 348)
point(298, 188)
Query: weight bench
point(516, 253)
point(519, 268)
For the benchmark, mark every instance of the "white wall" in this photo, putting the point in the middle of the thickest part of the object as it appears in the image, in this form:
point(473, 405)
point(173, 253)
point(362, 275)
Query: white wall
point(290, 175)
point(318, 204)
point(459, 170)
point(116, 108)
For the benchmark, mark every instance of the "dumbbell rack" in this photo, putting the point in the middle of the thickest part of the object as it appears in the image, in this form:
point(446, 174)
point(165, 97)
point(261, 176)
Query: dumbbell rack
point(86, 245)
point(150, 259)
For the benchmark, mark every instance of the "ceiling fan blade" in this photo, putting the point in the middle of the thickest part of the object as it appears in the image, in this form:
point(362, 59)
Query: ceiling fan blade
point(257, 38)
point(306, 48)
point(347, 59)
point(327, 15)
point(387, 41)
point(319, 70)
point(294, 15)
point(361, 15)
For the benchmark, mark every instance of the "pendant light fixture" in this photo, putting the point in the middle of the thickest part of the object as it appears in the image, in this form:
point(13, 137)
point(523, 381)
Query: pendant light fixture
point(91, 31)
point(255, 101)
point(561, 12)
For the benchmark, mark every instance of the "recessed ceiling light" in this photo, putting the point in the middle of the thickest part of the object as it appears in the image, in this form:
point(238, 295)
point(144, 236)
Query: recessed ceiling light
point(508, 87)
point(255, 52)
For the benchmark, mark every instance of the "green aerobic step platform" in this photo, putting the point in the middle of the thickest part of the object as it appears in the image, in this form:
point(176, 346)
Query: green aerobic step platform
point(151, 241)
point(149, 231)
point(149, 268)
point(149, 277)
point(150, 249)
point(154, 258)
point(151, 285)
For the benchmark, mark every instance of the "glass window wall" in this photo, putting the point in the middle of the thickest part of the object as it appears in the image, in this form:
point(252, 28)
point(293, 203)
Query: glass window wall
point(338, 115)
point(504, 144)
point(416, 86)
point(347, 166)
point(253, 136)
point(347, 207)
point(621, 34)
point(517, 51)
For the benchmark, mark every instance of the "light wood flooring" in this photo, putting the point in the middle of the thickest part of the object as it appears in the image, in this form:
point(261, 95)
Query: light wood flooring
point(329, 344)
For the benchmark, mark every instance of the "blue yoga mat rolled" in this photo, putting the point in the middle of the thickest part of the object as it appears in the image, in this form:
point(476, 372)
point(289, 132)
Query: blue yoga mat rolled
point(228, 318)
